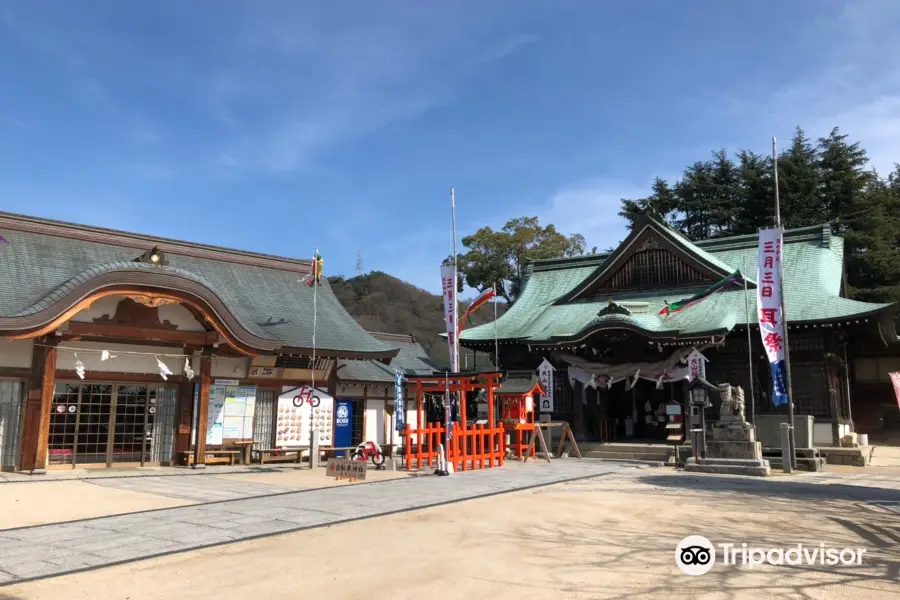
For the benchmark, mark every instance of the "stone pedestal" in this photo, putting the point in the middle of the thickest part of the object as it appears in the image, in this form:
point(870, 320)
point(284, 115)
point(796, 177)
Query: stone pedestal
point(733, 448)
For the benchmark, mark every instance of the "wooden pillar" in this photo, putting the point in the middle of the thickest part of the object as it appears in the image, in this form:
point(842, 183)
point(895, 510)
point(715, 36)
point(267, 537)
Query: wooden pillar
point(834, 388)
point(490, 398)
point(184, 419)
point(365, 411)
point(418, 406)
point(578, 398)
point(203, 407)
point(332, 380)
point(463, 388)
point(36, 424)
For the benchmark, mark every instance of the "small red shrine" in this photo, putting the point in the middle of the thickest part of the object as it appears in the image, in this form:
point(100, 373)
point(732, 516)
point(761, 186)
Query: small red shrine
point(517, 394)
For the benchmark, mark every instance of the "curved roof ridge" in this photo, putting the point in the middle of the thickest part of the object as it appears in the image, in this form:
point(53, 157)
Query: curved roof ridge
point(119, 265)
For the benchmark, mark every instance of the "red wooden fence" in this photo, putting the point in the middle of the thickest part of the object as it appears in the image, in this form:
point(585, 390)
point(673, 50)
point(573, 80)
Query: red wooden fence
point(475, 447)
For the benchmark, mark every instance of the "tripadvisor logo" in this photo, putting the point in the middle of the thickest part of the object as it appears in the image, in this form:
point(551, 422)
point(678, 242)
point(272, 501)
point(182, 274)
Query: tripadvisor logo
point(696, 555)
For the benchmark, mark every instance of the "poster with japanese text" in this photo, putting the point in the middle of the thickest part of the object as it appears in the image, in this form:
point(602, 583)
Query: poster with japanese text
point(302, 411)
point(215, 417)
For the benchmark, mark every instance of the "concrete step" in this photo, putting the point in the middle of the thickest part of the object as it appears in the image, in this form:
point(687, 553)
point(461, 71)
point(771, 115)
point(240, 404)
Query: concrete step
point(803, 464)
point(723, 461)
point(636, 451)
point(627, 455)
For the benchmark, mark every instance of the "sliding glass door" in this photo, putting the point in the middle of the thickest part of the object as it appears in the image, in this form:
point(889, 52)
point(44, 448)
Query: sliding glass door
point(111, 424)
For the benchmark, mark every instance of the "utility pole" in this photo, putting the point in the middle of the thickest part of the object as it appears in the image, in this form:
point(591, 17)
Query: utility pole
point(359, 263)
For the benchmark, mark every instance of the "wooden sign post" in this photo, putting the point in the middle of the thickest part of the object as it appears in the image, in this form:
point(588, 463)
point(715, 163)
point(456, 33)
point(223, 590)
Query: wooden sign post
point(346, 468)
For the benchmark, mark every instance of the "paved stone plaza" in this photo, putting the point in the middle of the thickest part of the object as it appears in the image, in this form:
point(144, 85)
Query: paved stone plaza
point(233, 511)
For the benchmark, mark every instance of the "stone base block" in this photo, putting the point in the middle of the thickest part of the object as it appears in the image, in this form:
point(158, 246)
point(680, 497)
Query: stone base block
point(726, 466)
point(735, 450)
point(733, 432)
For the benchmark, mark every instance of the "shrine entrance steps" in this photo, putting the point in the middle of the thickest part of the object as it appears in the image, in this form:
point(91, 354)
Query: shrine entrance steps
point(652, 452)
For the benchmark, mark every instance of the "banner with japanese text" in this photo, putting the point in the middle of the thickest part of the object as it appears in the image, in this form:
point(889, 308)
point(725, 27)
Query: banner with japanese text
point(895, 381)
point(448, 287)
point(769, 309)
point(399, 401)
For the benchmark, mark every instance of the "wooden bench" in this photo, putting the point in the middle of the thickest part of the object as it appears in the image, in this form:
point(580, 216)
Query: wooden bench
point(267, 455)
point(213, 457)
point(221, 457)
point(330, 452)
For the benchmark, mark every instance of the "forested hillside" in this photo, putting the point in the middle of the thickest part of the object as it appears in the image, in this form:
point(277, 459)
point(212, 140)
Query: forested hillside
point(380, 302)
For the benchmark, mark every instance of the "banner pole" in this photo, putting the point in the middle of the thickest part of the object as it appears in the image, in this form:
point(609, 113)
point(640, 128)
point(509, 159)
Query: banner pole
point(496, 342)
point(749, 352)
point(787, 350)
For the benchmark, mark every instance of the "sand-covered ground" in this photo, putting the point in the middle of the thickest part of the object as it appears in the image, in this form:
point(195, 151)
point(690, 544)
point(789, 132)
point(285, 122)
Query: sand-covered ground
point(610, 537)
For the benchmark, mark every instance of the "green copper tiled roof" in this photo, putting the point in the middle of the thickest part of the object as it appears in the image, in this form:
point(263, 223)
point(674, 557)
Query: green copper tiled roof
point(812, 277)
point(411, 359)
point(35, 267)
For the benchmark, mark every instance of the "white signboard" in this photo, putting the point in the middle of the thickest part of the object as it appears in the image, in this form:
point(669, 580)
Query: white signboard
point(769, 309)
point(297, 417)
point(448, 286)
point(545, 375)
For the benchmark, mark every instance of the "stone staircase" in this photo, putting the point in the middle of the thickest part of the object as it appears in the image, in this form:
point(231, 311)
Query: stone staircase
point(627, 451)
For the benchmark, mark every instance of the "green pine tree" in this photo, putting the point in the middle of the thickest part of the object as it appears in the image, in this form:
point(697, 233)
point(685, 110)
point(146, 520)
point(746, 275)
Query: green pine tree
point(660, 204)
point(799, 183)
point(756, 206)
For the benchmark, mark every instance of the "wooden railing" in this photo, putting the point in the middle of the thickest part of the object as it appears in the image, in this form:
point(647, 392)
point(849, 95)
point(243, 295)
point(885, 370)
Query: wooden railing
point(476, 447)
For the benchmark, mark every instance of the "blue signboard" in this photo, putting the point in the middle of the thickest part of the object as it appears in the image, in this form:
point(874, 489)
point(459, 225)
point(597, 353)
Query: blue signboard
point(343, 425)
point(399, 405)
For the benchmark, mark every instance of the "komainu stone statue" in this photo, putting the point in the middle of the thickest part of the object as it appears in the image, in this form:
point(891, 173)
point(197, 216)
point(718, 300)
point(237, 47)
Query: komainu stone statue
point(733, 447)
point(732, 408)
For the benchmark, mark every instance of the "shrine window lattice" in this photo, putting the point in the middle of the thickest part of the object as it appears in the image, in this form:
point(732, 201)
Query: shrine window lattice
point(653, 267)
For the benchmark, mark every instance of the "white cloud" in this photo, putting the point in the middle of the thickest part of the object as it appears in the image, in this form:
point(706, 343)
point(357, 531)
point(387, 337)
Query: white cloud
point(324, 78)
point(852, 82)
point(591, 208)
point(278, 83)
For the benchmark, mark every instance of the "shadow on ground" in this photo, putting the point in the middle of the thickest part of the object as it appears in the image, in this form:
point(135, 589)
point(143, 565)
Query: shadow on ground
point(634, 544)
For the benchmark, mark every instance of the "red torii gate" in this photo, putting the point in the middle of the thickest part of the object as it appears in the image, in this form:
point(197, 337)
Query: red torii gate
point(478, 436)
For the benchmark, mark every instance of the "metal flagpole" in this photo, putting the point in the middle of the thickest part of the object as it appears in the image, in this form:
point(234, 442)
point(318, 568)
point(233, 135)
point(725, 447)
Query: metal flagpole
point(454, 360)
point(496, 343)
point(749, 353)
point(455, 357)
point(787, 350)
point(315, 281)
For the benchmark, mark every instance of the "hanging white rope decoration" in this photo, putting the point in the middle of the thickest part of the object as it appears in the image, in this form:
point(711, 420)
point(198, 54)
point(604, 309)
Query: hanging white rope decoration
point(79, 366)
point(101, 351)
point(164, 370)
point(106, 355)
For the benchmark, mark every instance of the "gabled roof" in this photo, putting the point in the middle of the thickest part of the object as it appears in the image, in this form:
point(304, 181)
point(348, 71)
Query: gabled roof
point(552, 308)
point(646, 230)
point(47, 264)
point(519, 383)
point(411, 359)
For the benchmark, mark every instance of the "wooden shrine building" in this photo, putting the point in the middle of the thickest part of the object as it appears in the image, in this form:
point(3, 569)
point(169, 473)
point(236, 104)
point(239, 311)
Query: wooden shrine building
point(112, 344)
point(370, 387)
point(616, 361)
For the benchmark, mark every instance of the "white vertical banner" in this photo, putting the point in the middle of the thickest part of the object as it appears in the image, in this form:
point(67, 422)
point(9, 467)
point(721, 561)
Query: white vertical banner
point(696, 365)
point(545, 375)
point(769, 308)
point(448, 285)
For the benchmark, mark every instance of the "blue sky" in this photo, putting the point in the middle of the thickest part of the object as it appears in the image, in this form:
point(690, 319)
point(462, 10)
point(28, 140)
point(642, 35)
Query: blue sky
point(281, 127)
